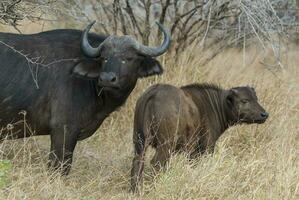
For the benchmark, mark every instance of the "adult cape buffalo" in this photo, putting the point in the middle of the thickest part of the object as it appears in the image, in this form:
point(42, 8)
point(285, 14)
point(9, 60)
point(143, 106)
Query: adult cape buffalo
point(66, 85)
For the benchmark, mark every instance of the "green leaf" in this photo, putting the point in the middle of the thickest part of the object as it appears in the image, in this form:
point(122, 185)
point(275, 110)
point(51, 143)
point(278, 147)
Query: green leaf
point(5, 168)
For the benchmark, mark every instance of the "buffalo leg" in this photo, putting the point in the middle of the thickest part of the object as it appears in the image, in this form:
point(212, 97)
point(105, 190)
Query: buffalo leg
point(199, 150)
point(62, 147)
point(205, 145)
point(137, 169)
point(162, 155)
point(210, 144)
point(140, 147)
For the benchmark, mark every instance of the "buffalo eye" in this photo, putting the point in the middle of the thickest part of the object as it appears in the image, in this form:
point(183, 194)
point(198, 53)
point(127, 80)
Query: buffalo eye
point(244, 101)
point(123, 62)
point(129, 59)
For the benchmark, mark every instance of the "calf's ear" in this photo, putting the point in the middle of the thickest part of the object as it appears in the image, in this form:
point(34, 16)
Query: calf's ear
point(252, 88)
point(232, 93)
point(89, 69)
point(149, 67)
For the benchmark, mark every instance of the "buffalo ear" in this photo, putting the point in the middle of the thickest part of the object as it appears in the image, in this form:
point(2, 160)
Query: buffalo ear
point(149, 67)
point(252, 88)
point(232, 93)
point(87, 69)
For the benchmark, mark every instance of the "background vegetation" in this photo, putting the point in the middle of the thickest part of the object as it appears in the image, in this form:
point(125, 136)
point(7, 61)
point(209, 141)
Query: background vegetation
point(256, 44)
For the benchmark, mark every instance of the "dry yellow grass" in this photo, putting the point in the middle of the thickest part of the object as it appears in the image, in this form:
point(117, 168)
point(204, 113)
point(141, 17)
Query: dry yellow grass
point(250, 162)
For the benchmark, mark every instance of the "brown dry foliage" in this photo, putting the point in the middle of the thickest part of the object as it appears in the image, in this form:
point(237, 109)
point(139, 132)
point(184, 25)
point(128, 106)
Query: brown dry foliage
point(250, 162)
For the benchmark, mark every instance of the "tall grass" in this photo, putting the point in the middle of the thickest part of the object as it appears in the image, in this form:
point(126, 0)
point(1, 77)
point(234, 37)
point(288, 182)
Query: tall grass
point(250, 161)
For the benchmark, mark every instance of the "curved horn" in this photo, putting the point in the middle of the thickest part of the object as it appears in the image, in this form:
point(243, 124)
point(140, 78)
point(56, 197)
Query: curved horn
point(156, 51)
point(87, 49)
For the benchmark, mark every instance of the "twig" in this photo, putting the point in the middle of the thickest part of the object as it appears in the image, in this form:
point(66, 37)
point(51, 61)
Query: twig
point(208, 26)
point(36, 62)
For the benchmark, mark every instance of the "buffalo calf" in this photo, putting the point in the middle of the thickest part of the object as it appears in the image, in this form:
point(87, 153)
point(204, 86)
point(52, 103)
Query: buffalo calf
point(189, 119)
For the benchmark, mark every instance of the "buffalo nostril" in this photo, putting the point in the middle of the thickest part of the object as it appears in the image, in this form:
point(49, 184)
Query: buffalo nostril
point(113, 79)
point(107, 78)
point(264, 114)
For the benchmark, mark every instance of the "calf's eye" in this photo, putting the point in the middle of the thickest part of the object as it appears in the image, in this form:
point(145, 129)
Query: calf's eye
point(244, 101)
point(129, 59)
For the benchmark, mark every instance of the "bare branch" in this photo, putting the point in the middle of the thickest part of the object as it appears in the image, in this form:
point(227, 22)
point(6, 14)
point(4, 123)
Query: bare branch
point(35, 63)
point(129, 10)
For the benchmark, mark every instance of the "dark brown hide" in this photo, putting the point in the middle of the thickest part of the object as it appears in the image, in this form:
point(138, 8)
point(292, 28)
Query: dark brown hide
point(188, 119)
